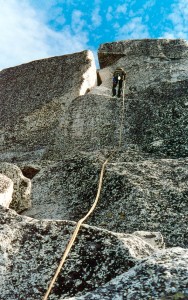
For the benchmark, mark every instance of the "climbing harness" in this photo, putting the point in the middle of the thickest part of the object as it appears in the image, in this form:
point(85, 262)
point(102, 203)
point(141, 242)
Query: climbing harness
point(80, 222)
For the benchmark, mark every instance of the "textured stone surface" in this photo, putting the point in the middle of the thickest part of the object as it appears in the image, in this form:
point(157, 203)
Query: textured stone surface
point(31, 250)
point(92, 123)
point(155, 239)
point(156, 102)
point(136, 195)
point(33, 98)
point(6, 190)
point(161, 49)
point(161, 276)
point(60, 130)
point(21, 188)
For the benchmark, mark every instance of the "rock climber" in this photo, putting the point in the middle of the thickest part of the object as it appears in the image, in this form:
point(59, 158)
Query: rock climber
point(118, 78)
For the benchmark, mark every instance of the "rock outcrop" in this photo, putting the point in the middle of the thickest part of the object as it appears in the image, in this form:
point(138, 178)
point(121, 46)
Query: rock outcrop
point(58, 128)
point(156, 107)
point(153, 49)
point(33, 98)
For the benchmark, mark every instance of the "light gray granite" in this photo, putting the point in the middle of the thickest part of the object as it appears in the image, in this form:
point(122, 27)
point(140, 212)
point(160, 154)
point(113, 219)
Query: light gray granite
point(30, 251)
point(58, 127)
point(20, 199)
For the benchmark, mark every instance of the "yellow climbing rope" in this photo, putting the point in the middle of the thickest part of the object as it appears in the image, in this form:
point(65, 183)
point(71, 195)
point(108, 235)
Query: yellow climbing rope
point(80, 222)
point(122, 116)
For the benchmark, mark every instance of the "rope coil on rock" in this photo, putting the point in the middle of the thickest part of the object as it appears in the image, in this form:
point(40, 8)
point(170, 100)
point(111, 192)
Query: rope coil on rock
point(80, 222)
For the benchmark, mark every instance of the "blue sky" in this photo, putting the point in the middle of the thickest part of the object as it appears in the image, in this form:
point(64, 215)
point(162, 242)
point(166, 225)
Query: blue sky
point(35, 29)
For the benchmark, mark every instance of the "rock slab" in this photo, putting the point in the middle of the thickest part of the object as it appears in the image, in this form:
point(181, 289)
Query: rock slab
point(30, 251)
point(142, 194)
point(33, 98)
point(161, 276)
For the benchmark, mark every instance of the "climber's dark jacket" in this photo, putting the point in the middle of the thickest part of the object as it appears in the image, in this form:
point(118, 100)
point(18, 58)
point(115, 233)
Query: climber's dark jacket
point(118, 78)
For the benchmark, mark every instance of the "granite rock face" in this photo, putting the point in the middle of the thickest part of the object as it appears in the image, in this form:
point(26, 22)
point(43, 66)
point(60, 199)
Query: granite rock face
point(33, 98)
point(31, 250)
point(58, 127)
point(159, 49)
point(21, 189)
point(156, 106)
point(161, 276)
point(137, 195)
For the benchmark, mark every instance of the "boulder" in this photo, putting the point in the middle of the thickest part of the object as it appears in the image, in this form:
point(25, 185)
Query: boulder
point(143, 194)
point(161, 276)
point(6, 190)
point(33, 97)
point(21, 189)
point(161, 49)
point(31, 251)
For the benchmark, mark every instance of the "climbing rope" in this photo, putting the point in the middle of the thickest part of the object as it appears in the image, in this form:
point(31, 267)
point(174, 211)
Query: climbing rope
point(122, 116)
point(80, 222)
